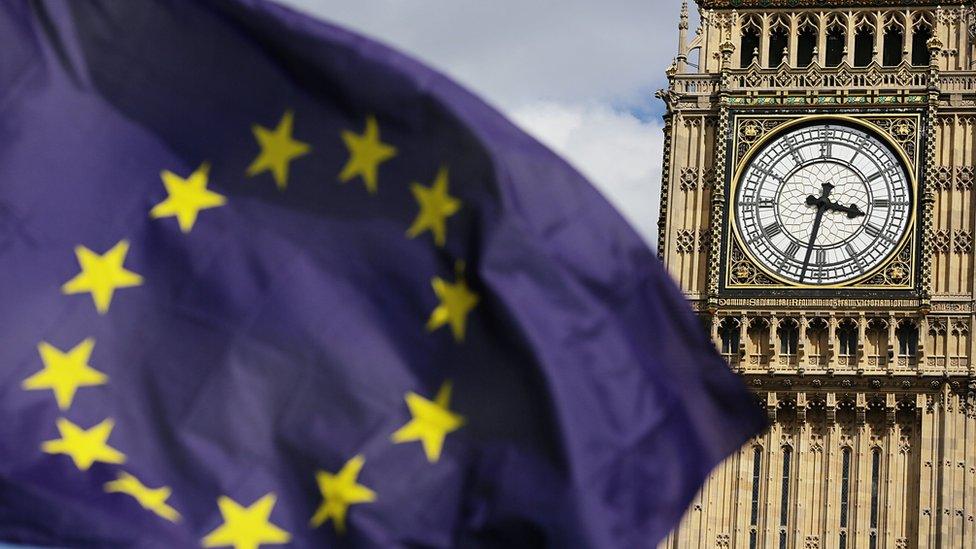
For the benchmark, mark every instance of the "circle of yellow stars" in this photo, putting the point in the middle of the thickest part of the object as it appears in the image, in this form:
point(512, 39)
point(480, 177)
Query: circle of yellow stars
point(101, 275)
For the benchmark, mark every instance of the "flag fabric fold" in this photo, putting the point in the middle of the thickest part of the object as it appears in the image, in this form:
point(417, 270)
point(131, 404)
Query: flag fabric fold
point(268, 282)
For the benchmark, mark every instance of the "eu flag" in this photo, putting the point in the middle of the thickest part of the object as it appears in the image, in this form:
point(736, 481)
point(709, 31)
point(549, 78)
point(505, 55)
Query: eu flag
point(267, 282)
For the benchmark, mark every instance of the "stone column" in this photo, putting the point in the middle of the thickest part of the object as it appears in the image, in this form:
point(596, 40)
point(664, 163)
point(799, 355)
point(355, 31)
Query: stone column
point(878, 38)
point(764, 42)
point(801, 342)
point(716, 340)
point(822, 40)
point(682, 60)
point(909, 36)
point(831, 345)
point(971, 367)
point(923, 338)
point(734, 39)
point(851, 35)
point(861, 335)
point(773, 348)
point(891, 357)
point(743, 338)
point(794, 39)
point(928, 478)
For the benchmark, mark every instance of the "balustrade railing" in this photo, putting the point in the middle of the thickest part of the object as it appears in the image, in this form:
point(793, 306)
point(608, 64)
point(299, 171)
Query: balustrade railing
point(901, 78)
point(845, 78)
point(696, 84)
point(957, 82)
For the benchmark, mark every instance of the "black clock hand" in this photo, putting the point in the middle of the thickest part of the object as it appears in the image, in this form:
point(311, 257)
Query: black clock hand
point(821, 204)
point(813, 238)
point(852, 212)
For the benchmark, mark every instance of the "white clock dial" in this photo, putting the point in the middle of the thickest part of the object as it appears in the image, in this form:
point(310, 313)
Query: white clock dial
point(823, 204)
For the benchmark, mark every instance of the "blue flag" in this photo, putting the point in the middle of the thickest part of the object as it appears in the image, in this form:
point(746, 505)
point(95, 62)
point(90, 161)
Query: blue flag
point(267, 282)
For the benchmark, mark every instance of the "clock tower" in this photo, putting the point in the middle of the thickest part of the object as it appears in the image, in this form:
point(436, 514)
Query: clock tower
point(817, 209)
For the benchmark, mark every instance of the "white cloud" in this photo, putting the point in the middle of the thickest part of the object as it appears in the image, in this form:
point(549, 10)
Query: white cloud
point(562, 70)
point(518, 51)
point(618, 152)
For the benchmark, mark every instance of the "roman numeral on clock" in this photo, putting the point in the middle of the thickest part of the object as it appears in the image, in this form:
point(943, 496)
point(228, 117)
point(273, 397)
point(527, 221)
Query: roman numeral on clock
point(772, 230)
point(857, 259)
point(826, 149)
point(792, 249)
point(872, 230)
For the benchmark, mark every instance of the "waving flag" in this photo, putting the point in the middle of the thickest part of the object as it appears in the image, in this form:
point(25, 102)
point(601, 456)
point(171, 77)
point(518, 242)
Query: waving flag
point(267, 282)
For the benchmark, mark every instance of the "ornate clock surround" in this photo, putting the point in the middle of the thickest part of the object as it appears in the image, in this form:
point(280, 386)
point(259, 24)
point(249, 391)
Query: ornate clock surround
point(899, 276)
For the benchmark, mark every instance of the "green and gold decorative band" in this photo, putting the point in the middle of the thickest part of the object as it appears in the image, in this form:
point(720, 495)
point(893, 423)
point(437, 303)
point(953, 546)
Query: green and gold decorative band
point(793, 4)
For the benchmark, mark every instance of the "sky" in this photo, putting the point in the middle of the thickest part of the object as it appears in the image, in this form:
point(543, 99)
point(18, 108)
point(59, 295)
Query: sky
point(579, 75)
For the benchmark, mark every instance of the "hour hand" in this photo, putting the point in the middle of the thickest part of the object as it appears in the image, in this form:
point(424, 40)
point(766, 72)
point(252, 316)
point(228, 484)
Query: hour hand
point(852, 211)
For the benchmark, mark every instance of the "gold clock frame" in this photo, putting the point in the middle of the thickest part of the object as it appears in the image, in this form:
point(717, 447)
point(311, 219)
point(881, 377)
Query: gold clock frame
point(861, 121)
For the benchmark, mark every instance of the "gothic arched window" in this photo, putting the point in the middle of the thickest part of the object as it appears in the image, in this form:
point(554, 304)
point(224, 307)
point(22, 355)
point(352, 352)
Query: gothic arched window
point(729, 331)
point(845, 497)
point(759, 338)
point(784, 508)
point(817, 334)
point(863, 47)
point(875, 480)
point(907, 334)
point(894, 42)
point(847, 337)
point(749, 45)
point(756, 480)
point(836, 46)
point(808, 31)
point(778, 47)
point(789, 336)
point(920, 42)
point(876, 335)
point(806, 45)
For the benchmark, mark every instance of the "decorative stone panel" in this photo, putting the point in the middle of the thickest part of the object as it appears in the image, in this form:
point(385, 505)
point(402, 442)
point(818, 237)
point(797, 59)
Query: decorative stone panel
point(964, 178)
point(962, 242)
point(942, 178)
point(941, 241)
point(704, 240)
point(689, 179)
point(685, 241)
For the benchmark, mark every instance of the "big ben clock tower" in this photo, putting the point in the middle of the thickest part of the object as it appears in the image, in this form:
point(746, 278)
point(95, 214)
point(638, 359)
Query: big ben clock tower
point(818, 212)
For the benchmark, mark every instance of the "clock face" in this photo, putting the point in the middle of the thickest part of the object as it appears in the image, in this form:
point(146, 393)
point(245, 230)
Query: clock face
point(823, 204)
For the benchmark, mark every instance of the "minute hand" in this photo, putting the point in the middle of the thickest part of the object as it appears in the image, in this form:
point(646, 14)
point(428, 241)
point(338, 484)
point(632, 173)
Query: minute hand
point(813, 238)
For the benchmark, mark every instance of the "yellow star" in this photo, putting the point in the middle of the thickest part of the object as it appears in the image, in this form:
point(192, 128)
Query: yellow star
point(85, 447)
point(187, 197)
point(151, 499)
point(101, 275)
point(436, 205)
point(246, 527)
point(64, 373)
point(278, 149)
point(432, 422)
point(339, 491)
point(456, 302)
point(366, 153)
